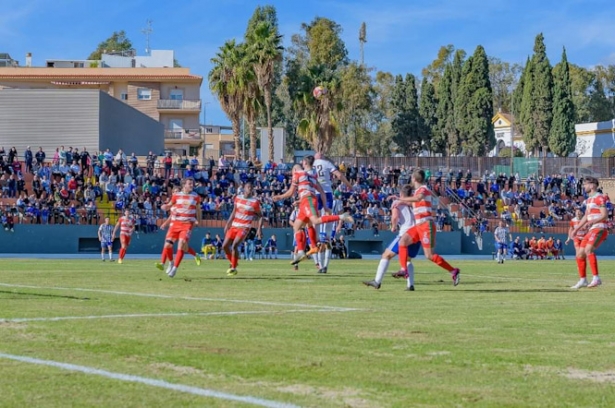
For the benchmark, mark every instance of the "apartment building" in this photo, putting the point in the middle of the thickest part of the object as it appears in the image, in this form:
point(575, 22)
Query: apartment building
point(149, 84)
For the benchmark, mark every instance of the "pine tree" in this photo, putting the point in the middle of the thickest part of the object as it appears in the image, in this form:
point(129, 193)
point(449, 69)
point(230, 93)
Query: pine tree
point(427, 109)
point(542, 93)
point(563, 138)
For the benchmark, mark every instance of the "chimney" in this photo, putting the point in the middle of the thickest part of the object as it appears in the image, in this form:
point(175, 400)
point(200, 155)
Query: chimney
point(29, 59)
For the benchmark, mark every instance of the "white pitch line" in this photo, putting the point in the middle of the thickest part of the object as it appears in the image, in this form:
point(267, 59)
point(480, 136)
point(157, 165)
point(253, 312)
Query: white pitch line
point(154, 295)
point(204, 392)
point(509, 278)
point(145, 315)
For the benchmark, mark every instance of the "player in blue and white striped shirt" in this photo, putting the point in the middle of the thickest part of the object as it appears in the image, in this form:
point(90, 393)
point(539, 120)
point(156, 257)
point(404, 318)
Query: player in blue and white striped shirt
point(105, 236)
point(502, 237)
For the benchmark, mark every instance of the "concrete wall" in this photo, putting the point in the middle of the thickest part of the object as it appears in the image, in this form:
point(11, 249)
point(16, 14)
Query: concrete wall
point(49, 118)
point(64, 239)
point(124, 127)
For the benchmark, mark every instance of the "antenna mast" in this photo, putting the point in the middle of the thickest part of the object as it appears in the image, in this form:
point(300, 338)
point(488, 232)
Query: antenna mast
point(362, 40)
point(148, 30)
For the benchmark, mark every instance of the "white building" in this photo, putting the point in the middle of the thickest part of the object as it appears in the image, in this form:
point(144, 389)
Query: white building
point(125, 59)
point(592, 138)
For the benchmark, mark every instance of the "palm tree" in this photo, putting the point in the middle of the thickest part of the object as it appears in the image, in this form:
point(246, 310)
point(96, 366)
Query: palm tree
point(251, 96)
point(319, 125)
point(266, 50)
point(225, 81)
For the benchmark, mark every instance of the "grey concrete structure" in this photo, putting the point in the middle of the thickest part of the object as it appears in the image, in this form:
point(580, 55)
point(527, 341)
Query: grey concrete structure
point(74, 117)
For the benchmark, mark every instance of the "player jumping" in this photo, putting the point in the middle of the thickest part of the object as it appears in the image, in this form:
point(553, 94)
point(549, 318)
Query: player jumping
point(325, 169)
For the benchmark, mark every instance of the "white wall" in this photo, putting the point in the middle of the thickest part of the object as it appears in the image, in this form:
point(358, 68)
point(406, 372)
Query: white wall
point(279, 143)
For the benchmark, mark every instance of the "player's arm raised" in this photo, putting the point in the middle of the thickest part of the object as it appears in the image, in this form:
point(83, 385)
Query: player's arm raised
point(340, 176)
point(289, 193)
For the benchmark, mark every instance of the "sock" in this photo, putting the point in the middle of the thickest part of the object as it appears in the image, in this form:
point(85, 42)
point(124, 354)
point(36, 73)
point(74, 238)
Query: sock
point(110, 255)
point(403, 256)
point(593, 264)
point(313, 237)
point(316, 258)
point(382, 269)
point(438, 260)
point(191, 251)
point(329, 218)
point(410, 280)
point(122, 253)
point(582, 265)
point(102, 256)
point(234, 261)
point(300, 239)
point(179, 257)
point(327, 256)
point(229, 256)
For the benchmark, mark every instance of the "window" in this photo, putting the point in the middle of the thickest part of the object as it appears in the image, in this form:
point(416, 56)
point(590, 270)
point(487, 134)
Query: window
point(177, 95)
point(144, 94)
point(124, 96)
point(499, 135)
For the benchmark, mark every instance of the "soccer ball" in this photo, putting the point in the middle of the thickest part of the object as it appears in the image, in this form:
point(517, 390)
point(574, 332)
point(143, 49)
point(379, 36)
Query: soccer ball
point(211, 257)
point(319, 92)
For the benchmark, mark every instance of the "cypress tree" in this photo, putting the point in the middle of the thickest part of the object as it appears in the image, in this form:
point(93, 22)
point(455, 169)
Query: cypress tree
point(542, 93)
point(446, 139)
point(462, 101)
point(427, 109)
point(517, 99)
point(474, 105)
point(413, 118)
point(563, 138)
point(527, 109)
point(399, 124)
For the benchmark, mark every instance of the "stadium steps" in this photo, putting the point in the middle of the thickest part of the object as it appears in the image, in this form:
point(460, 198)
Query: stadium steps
point(107, 208)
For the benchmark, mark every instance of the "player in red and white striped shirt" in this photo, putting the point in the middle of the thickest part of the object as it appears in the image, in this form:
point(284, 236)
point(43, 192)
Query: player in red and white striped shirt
point(246, 210)
point(306, 184)
point(186, 214)
point(425, 229)
point(126, 225)
point(595, 221)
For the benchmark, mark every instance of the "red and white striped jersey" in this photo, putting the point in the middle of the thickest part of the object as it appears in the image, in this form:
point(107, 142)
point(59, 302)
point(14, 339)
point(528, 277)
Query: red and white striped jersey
point(422, 209)
point(573, 224)
point(126, 225)
point(305, 182)
point(594, 205)
point(185, 206)
point(246, 209)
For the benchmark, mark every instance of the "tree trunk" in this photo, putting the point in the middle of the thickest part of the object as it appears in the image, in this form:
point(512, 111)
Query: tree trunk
point(236, 124)
point(269, 124)
point(252, 131)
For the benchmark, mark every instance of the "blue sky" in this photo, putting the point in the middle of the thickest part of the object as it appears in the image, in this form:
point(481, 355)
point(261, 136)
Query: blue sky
point(403, 36)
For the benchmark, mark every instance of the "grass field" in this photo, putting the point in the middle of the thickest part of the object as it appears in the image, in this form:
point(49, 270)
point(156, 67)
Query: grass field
point(508, 335)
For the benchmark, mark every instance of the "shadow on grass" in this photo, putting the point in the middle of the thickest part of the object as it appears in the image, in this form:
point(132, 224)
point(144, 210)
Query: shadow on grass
point(30, 295)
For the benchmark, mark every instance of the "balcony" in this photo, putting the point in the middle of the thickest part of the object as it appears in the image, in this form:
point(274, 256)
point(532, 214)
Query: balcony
point(183, 134)
point(179, 105)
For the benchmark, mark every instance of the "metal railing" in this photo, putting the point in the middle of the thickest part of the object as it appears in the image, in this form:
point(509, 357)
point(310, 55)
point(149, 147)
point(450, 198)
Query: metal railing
point(187, 134)
point(601, 167)
point(179, 104)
